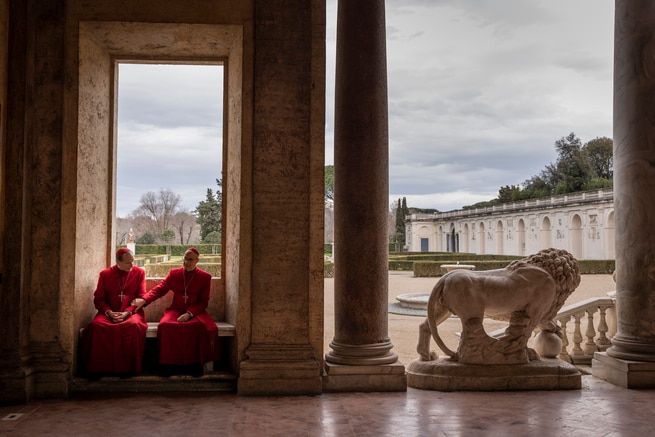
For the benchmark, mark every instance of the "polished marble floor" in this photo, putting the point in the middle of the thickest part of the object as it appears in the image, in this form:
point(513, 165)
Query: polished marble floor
point(598, 409)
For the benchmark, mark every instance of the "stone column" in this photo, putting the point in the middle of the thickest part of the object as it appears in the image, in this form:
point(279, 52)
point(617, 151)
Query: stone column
point(285, 278)
point(630, 361)
point(361, 183)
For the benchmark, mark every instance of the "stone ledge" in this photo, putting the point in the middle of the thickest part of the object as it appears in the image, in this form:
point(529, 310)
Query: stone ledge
point(623, 373)
point(371, 378)
point(216, 381)
point(447, 375)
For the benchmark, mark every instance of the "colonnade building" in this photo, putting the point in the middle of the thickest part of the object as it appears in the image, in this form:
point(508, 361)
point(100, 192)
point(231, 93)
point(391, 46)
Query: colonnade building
point(582, 223)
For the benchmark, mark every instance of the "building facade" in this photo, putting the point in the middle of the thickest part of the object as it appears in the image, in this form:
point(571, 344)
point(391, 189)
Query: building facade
point(581, 223)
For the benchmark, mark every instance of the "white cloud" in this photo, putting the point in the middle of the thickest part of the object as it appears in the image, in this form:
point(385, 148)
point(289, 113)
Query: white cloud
point(169, 132)
point(479, 91)
point(448, 201)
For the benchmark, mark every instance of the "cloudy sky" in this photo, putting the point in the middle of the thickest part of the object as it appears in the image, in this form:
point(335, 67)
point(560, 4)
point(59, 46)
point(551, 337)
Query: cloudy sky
point(479, 91)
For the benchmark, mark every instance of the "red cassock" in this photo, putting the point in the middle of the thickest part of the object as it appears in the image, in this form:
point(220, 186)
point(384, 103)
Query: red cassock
point(108, 347)
point(194, 341)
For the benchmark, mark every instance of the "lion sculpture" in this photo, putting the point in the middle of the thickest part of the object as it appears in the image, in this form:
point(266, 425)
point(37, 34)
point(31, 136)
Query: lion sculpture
point(527, 293)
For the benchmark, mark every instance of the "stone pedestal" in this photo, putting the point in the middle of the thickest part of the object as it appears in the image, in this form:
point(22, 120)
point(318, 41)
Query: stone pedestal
point(279, 369)
point(624, 373)
point(388, 377)
point(447, 375)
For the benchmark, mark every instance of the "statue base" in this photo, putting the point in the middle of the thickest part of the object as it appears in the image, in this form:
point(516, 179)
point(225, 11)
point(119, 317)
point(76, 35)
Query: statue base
point(445, 374)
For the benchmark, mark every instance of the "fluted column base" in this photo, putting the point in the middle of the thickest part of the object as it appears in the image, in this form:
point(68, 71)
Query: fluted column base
point(634, 349)
point(363, 368)
point(361, 355)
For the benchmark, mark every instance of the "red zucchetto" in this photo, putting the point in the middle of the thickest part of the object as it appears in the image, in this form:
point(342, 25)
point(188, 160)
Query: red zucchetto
point(194, 250)
point(122, 251)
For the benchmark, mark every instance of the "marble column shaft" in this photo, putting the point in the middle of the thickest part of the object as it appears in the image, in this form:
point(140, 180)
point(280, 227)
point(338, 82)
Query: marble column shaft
point(361, 172)
point(634, 179)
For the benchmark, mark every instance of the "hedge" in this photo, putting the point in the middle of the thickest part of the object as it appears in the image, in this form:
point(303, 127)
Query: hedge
point(161, 270)
point(428, 269)
point(433, 269)
point(175, 249)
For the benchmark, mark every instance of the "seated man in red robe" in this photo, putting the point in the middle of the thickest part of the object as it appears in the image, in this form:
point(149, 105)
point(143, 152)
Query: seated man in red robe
point(114, 341)
point(188, 336)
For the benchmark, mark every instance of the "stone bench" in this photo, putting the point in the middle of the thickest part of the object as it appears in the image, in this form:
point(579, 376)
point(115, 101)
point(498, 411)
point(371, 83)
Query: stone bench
point(224, 329)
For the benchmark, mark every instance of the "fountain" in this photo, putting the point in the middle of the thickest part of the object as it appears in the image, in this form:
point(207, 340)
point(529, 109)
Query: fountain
point(416, 304)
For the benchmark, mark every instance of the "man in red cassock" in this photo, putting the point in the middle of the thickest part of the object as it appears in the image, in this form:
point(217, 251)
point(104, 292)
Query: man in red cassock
point(114, 341)
point(188, 336)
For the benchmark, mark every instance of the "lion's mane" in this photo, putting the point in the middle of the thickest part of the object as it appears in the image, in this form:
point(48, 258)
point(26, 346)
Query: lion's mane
point(562, 266)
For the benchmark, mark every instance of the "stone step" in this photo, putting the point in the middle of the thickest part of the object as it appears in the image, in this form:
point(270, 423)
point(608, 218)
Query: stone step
point(214, 381)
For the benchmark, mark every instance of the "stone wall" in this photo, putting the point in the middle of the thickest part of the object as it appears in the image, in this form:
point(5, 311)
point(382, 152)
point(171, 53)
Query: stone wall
point(57, 101)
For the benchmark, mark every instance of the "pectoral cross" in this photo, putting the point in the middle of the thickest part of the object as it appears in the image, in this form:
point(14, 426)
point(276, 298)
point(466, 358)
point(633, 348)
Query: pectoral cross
point(121, 286)
point(187, 285)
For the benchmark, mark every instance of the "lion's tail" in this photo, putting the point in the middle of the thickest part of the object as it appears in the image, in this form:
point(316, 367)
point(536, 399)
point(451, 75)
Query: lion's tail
point(437, 313)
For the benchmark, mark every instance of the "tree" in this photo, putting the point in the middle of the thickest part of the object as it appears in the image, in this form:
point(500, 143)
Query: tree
point(399, 211)
point(146, 238)
point(156, 211)
point(570, 173)
point(508, 193)
point(400, 218)
point(213, 237)
point(167, 236)
point(577, 168)
point(404, 208)
point(572, 165)
point(209, 212)
point(185, 223)
point(600, 154)
point(329, 183)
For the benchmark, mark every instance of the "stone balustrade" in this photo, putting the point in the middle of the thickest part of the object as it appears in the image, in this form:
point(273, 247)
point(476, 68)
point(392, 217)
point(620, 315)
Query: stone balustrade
point(599, 313)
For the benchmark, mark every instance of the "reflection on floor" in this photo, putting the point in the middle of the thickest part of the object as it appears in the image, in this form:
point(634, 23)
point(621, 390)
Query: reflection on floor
point(598, 408)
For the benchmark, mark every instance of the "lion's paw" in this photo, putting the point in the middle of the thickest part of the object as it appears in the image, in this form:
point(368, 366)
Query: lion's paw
point(533, 355)
point(432, 356)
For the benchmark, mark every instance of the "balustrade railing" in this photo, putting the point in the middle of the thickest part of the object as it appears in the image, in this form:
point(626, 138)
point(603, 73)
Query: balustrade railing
point(603, 194)
point(599, 313)
point(578, 348)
